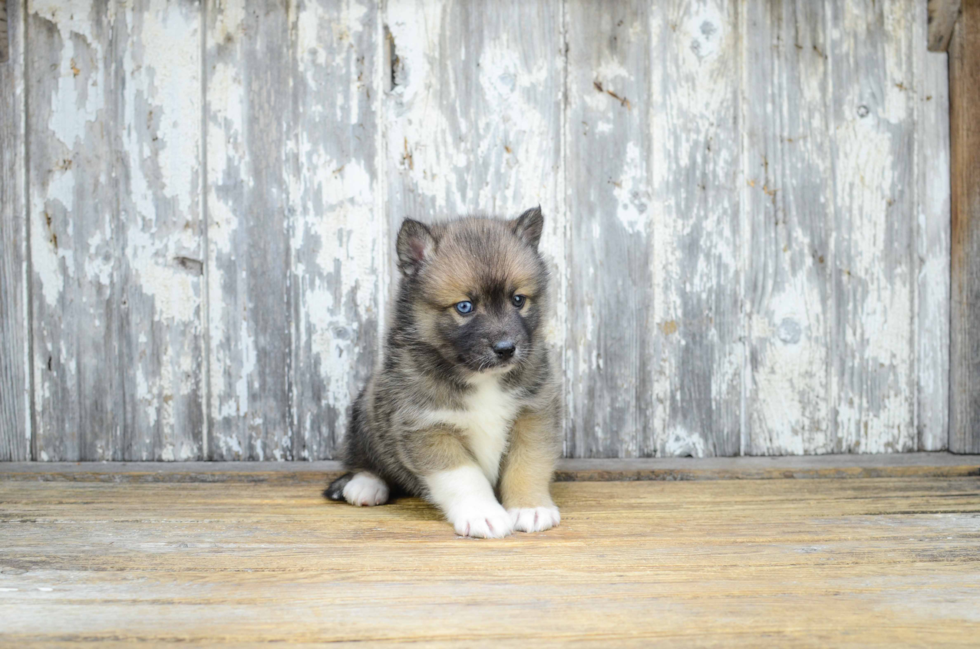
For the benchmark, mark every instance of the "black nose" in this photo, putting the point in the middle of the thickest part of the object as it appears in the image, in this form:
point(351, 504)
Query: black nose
point(504, 348)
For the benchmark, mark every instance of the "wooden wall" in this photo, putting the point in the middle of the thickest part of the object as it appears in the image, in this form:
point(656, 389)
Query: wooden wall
point(747, 211)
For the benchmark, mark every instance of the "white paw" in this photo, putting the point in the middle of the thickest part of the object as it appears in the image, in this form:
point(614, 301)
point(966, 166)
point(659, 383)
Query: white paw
point(366, 489)
point(485, 521)
point(534, 519)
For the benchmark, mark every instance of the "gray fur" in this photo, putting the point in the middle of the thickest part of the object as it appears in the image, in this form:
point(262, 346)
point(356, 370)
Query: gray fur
point(431, 351)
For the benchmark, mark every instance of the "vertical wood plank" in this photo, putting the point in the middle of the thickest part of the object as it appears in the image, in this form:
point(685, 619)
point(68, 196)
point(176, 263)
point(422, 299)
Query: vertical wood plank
point(113, 137)
point(964, 123)
point(4, 29)
point(337, 233)
point(248, 113)
point(78, 401)
point(874, 183)
point(932, 316)
point(696, 227)
point(15, 410)
point(159, 235)
point(474, 118)
point(788, 201)
point(942, 16)
point(612, 345)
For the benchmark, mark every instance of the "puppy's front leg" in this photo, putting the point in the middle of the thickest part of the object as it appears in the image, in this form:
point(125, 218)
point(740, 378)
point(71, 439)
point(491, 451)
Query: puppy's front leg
point(457, 486)
point(466, 497)
point(528, 468)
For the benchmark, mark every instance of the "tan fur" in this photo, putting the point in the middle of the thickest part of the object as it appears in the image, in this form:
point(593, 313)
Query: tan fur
point(435, 449)
point(447, 419)
point(529, 463)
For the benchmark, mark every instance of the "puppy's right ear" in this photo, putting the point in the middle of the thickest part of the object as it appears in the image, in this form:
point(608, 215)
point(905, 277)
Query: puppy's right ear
point(415, 246)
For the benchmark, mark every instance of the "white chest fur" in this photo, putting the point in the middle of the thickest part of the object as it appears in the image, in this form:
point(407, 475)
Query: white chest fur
point(485, 419)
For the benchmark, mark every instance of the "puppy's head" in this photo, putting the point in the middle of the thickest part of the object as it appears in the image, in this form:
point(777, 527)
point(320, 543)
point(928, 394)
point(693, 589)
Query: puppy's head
point(476, 288)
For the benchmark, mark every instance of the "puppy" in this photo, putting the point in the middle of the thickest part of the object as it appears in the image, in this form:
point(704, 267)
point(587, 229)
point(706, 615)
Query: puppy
point(465, 403)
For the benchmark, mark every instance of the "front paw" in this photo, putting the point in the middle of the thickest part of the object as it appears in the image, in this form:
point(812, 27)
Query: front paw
point(534, 519)
point(485, 521)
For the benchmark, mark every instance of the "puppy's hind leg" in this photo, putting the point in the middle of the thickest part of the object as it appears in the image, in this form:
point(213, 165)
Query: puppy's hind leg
point(361, 489)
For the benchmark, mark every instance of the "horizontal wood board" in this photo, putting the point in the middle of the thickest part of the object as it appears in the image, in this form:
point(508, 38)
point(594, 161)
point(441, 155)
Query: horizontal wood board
point(885, 562)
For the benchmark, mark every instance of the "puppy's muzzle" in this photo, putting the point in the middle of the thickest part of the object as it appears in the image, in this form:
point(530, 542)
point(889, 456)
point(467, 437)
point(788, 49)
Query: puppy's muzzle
point(504, 349)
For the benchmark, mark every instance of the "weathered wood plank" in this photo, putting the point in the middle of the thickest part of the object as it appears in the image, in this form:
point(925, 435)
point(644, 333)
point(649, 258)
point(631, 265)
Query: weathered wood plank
point(964, 125)
point(942, 16)
point(809, 467)
point(475, 110)
point(696, 227)
point(157, 88)
point(931, 316)
point(474, 119)
point(248, 118)
point(788, 202)
point(872, 378)
point(704, 325)
point(887, 562)
point(15, 382)
point(338, 230)
point(5, 46)
point(113, 136)
point(611, 345)
point(79, 401)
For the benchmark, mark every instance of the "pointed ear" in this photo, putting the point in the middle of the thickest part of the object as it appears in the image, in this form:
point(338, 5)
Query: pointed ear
point(529, 226)
point(415, 246)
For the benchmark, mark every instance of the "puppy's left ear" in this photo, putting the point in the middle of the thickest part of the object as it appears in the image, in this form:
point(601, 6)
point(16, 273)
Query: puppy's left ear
point(415, 246)
point(529, 226)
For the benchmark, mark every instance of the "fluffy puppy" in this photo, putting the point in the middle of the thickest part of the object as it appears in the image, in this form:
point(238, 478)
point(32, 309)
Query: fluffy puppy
point(465, 406)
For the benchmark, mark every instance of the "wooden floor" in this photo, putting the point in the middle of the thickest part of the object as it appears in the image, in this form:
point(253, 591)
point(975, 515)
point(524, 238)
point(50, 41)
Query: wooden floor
point(852, 562)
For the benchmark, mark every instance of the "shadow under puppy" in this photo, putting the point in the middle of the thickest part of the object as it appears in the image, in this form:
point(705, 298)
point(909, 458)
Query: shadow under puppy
point(465, 403)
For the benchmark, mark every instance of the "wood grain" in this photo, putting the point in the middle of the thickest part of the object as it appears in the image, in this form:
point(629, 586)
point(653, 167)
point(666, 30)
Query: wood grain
point(612, 348)
point(248, 121)
point(808, 467)
point(964, 126)
point(932, 175)
point(79, 399)
point(157, 90)
point(15, 381)
point(337, 225)
point(746, 209)
point(874, 211)
point(696, 220)
point(5, 30)
point(943, 15)
point(881, 562)
point(114, 176)
point(297, 254)
point(788, 201)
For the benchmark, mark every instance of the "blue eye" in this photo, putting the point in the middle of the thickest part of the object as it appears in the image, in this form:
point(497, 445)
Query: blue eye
point(464, 308)
point(518, 300)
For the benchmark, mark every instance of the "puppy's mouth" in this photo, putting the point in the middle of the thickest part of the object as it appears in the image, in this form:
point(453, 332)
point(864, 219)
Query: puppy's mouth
point(491, 364)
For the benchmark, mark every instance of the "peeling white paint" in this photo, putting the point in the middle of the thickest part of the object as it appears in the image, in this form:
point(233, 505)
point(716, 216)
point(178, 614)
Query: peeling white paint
point(632, 192)
point(478, 125)
point(682, 443)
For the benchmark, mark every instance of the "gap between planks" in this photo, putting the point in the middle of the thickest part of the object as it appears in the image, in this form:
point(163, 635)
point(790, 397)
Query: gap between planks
point(569, 470)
